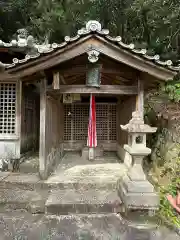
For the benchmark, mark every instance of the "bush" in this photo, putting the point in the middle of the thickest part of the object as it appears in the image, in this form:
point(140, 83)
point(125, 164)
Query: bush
point(166, 211)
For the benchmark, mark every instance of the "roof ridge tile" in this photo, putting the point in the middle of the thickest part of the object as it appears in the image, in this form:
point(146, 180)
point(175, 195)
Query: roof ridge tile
point(91, 27)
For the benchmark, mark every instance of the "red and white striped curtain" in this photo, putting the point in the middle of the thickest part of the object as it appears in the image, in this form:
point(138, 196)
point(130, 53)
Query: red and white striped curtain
point(92, 136)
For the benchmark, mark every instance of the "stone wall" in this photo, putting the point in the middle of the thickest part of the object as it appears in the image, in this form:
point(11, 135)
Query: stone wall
point(165, 143)
point(166, 148)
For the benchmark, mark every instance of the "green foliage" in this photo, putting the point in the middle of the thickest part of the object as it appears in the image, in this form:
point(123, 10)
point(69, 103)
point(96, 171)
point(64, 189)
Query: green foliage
point(166, 211)
point(14, 14)
point(151, 24)
point(172, 88)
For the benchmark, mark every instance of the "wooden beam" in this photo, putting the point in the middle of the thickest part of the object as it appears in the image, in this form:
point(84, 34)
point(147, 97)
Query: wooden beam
point(5, 77)
point(56, 80)
point(71, 70)
point(104, 89)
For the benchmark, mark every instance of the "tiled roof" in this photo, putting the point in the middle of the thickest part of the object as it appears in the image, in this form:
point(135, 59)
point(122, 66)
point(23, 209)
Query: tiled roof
point(92, 27)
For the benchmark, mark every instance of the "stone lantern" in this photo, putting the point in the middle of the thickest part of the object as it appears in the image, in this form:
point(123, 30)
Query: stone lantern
point(135, 190)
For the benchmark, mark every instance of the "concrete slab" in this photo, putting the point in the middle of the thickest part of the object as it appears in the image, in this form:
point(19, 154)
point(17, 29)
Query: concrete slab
point(89, 201)
point(74, 169)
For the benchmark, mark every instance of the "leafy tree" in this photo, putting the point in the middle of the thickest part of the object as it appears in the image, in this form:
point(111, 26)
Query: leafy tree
point(14, 14)
point(151, 24)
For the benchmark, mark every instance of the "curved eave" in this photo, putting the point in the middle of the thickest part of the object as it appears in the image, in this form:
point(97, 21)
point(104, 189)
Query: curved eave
point(82, 46)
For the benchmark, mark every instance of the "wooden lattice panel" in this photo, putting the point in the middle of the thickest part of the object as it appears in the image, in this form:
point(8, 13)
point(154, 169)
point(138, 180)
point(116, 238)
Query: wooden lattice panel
point(76, 122)
point(102, 121)
point(67, 122)
point(7, 108)
point(80, 122)
point(112, 122)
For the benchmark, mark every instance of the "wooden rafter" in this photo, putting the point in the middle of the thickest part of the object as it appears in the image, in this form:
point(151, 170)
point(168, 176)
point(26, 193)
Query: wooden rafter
point(80, 79)
point(73, 70)
point(62, 79)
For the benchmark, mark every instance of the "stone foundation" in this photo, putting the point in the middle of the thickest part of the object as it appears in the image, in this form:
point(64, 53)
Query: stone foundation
point(138, 194)
point(98, 151)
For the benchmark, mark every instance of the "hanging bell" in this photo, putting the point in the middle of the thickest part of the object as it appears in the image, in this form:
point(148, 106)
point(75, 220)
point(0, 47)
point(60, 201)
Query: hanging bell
point(93, 76)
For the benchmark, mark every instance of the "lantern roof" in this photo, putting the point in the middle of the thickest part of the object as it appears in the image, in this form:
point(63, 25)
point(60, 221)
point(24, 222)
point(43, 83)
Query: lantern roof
point(137, 125)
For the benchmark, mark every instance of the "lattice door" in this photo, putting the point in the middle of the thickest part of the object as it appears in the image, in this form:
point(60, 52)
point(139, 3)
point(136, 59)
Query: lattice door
point(7, 108)
point(76, 122)
point(112, 122)
point(106, 122)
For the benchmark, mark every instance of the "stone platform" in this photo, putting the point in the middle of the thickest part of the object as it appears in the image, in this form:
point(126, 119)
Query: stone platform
point(77, 185)
point(75, 172)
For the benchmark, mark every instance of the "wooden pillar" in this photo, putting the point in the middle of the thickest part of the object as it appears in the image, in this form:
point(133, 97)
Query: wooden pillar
point(56, 80)
point(18, 116)
point(42, 140)
point(140, 98)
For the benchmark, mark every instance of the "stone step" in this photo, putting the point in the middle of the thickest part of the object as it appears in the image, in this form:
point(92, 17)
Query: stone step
point(74, 227)
point(83, 183)
point(62, 202)
point(21, 181)
point(32, 201)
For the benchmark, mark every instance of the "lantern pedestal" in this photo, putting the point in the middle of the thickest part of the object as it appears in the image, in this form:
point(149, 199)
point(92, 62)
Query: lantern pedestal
point(135, 190)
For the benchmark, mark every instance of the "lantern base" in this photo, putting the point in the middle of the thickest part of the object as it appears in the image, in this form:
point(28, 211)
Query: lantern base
point(138, 194)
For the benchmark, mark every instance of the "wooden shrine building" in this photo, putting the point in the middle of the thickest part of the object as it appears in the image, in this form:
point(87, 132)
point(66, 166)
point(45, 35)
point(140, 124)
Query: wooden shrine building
point(44, 97)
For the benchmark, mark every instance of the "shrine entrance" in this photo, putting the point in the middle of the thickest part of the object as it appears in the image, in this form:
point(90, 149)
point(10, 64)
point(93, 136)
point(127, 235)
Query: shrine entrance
point(76, 117)
point(92, 63)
